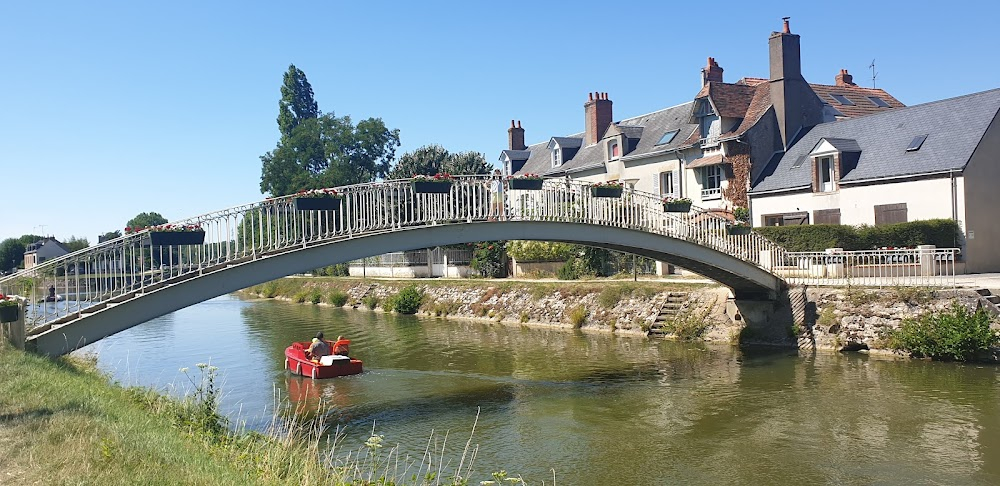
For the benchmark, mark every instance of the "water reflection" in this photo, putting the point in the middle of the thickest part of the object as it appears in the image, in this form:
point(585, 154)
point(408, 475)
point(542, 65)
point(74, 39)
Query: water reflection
point(598, 409)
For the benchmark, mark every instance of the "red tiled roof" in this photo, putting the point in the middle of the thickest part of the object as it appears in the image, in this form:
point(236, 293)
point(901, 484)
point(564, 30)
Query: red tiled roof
point(858, 95)
point(730, 100)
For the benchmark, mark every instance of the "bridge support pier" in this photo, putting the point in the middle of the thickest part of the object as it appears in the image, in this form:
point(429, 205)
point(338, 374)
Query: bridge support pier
point(763, 321)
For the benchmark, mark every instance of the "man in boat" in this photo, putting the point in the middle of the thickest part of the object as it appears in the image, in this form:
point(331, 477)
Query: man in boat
point(319, 347)
point(341, 347)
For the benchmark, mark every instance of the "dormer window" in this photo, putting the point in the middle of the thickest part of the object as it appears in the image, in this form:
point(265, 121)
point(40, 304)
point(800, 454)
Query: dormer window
point(556, 158)
point(705, 116)
point(613, 150)
point(825, 174)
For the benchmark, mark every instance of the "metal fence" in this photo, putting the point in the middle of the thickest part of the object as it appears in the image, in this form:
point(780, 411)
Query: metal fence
point(929, 266)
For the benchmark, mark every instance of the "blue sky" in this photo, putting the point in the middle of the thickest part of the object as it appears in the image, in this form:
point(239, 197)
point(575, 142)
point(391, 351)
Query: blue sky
point(109, 109)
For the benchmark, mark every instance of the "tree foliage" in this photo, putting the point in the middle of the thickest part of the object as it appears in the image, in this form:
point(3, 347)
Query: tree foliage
point(322, 150)
point(110, 235)
point(143, 220)
point(297, 103)
point(75, 244)
point(11, 254)
point(489, 258)
point(433, 159)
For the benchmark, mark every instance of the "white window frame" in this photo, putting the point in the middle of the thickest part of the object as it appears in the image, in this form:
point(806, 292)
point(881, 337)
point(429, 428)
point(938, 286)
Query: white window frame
point(556, 159)
point(611, 147)
point(826, 182)
point(667, 186)
point(708, 175)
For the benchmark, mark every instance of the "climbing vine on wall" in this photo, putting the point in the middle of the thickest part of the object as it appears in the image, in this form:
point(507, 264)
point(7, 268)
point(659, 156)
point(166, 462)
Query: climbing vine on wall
point(736, 191)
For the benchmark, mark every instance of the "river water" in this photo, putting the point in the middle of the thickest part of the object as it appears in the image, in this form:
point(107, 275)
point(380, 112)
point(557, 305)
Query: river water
point(593, 409)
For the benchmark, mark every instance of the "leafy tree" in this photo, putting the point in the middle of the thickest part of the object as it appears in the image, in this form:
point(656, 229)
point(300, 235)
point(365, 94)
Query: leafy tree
point(432, 159)
point(426, 160)
point(467, 163)
point(321, 150)
point(297, 103)
point(489, 258)
point(110, 235)
point(74, 243)
point(11, 254)
point(143, 220)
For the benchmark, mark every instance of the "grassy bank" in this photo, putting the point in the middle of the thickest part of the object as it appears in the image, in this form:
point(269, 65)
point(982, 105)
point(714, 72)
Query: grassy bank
point(62, 422)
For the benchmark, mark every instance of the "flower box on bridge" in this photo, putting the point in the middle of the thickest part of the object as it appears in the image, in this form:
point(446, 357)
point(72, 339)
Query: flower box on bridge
point(606, 191)
point(9, 313)
point(677, 207)
point(176, 238)
point(427, 187)
point(323, 203)
point(526, 184)
point(738, 230)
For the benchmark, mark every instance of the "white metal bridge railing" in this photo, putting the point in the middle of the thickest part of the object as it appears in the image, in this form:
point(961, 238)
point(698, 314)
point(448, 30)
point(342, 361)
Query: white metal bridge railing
point(925, 266)
point(63, 288)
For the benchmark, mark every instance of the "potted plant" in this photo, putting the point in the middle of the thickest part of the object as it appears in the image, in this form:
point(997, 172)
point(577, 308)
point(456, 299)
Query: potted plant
point(527, 182)
point(738, 228)
point(606, 189)
point(172, 234)
point(318, 200)
point(676, 204)
point(435, 184)
point(9, 309)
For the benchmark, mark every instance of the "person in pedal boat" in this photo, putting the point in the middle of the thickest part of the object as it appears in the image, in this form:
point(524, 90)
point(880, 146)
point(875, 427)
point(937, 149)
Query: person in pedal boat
point(341, 347)
point(318, 348)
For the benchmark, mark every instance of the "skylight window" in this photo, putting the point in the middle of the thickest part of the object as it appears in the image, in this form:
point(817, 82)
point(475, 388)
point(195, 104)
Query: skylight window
point(879, 102)
point(799, 161)
point(667, 137)
point(842, 99)
point(916, 143)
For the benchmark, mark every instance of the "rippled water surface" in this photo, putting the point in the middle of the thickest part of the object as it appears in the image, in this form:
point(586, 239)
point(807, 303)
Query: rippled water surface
point(596, 409)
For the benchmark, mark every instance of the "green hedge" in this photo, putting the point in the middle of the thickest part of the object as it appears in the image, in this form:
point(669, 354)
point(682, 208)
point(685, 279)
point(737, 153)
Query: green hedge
point(943, 233)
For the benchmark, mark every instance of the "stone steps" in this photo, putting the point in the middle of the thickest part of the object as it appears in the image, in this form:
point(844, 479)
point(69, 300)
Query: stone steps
point(989, 301)
point(671, 306)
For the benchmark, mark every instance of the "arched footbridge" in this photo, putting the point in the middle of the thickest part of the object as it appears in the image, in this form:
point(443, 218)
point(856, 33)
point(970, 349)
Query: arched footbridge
point(120, 283)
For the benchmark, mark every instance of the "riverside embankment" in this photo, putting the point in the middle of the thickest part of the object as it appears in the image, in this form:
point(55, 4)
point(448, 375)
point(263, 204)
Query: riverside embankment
point(819, 318)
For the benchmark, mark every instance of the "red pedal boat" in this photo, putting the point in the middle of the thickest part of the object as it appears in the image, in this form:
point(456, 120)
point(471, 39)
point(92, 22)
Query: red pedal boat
point(328, 367)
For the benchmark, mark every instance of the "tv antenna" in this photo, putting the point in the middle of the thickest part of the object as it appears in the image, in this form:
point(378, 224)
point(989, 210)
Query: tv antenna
point(874, 74)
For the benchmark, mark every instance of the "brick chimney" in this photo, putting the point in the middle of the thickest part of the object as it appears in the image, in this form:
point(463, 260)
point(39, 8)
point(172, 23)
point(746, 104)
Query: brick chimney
point(796, 105)
point(711, 72)
point(844, 79)
point(515, 136)
point(597, 111)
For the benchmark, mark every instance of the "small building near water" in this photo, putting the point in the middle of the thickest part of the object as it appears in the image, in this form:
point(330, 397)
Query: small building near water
point(42, 250)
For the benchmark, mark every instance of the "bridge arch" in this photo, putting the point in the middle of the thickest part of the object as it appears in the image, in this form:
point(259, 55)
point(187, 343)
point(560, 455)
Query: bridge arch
point(250, 251)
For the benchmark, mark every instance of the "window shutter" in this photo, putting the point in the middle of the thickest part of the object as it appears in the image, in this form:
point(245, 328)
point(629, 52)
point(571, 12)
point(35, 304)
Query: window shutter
point(826, 216)
point(656, 183)
point(890, 213)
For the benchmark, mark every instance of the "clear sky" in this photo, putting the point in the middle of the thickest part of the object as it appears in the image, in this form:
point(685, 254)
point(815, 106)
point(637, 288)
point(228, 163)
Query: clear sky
point(110, 109)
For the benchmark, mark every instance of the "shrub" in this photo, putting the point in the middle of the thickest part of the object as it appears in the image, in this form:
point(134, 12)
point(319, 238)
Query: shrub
point(610, 296)
point(687, 325)
point(577, 315)
point(489, 258)
point(300, 297)
point(407, 301)
point(540, 251)
point(952, 334)
point(315, 296)
point(943, 233)
point(445, 307)
point(270, 289)
point(569, 270)
point(338, 298)
point(370, 301)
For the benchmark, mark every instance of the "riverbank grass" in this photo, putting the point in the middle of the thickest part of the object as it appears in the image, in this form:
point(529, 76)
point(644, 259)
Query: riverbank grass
point(62, 422)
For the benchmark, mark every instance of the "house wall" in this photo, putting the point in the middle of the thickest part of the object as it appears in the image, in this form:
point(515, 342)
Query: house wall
point(982, 178)
point(925, 199)
point(648, 170)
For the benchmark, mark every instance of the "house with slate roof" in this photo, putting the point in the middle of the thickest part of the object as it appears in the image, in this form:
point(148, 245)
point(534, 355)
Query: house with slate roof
point(42, 250)
point(935, 160)
point(708, 149)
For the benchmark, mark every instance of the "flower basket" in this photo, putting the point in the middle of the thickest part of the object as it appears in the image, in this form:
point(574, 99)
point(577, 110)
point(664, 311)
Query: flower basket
point(428, 187)
point(606, 191)
point(526, 184)
point(8, 312)
point(176, 238)
point(737, 230)
point(677, 207)
point(322, 203)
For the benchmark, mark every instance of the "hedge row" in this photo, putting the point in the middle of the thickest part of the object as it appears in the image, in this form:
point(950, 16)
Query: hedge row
point(943, 233)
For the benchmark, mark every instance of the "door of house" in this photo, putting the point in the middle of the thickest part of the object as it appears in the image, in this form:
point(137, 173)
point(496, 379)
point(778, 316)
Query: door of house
point(438, 262)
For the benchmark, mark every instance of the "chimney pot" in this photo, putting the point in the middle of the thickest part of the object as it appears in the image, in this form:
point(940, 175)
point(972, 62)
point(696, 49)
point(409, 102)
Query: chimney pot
point(844, 79)
point(519, 124)
point(711, 72)
point(786, 29)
